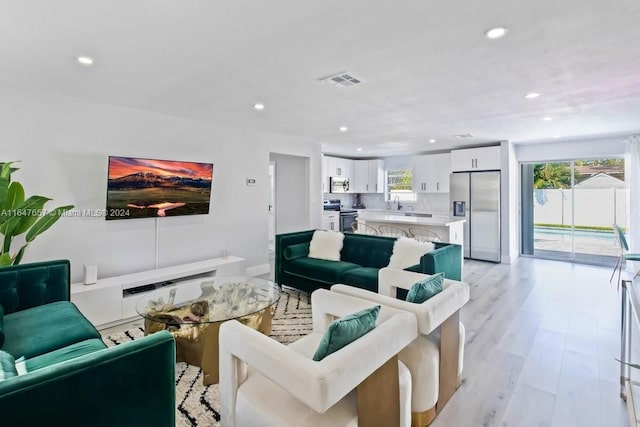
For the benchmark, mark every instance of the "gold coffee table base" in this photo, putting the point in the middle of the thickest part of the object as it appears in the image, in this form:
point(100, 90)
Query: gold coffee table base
point(197, 344)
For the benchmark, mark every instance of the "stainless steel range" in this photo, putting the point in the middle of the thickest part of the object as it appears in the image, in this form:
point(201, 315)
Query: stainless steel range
point(347, 216)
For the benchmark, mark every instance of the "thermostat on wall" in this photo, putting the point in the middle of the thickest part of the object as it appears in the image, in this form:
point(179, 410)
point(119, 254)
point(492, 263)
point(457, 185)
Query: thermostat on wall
point(251, 181)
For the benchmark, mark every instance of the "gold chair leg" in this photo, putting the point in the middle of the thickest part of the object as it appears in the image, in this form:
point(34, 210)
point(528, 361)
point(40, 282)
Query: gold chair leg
point(376, 409)
point(423, 419)
point(449, 351)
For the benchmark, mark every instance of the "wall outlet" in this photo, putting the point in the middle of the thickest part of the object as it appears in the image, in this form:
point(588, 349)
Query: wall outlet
point(251, 181)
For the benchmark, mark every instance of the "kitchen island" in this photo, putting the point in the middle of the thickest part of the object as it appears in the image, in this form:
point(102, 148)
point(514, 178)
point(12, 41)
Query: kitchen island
point(450, 229)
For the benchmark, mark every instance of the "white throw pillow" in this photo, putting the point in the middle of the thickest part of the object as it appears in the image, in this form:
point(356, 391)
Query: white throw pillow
point(326, 245)
point(407, 252)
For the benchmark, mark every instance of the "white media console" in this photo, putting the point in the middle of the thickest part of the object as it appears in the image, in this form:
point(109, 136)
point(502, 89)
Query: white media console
point(112, 300)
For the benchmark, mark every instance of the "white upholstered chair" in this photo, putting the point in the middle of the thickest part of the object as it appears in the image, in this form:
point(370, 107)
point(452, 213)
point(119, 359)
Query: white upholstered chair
point(265, 383)
point(435, 358)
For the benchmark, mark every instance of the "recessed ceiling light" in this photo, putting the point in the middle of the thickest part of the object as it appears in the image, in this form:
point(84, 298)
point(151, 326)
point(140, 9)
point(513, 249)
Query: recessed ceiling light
point(432, 141)
point(258, 106)
point(85, 60)
point(556, 136)
point(359, 149)
point(532, 95)
point(496, 33)
point(547, 119)
point(343, 128)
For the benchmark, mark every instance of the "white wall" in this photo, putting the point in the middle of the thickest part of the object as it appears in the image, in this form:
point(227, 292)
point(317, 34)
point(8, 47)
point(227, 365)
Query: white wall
point(568, 150)
point(510, 202)
point(64, 144)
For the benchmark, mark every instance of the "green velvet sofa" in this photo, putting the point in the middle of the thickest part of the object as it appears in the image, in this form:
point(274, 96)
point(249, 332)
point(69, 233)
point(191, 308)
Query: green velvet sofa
point(71, 377)
point(360, 259)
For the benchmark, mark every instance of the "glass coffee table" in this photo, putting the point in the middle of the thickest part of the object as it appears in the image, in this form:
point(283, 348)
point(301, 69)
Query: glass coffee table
point(194, 311)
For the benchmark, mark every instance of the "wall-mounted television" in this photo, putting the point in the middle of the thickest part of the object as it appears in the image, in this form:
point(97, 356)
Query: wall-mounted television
point(150, 188)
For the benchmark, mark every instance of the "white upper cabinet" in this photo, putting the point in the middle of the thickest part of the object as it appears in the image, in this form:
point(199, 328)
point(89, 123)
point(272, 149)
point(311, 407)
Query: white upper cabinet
point(368, 176)
point(471, 159)
point(361, 176)
point(443, 166)
point(336, 166)
point(431, 173)
point(376, 176)
point(419, 169)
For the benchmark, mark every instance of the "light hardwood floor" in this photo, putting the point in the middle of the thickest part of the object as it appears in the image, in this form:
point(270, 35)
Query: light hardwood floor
point(540, 346)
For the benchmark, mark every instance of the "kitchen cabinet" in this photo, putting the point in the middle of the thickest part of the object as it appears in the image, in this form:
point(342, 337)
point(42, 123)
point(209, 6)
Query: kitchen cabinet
point(336, 166)
point(431, 173)
point(331, 221)
point(368, 176)
point(474, 159)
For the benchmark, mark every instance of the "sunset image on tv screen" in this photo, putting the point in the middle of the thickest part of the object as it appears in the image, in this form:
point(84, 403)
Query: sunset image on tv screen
point(147, 188)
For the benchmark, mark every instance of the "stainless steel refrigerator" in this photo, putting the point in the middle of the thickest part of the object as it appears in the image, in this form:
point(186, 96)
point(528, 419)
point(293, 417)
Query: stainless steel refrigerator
point(476, 197)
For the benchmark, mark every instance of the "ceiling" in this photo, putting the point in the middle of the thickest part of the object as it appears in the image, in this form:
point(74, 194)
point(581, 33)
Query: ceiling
point(428, 70)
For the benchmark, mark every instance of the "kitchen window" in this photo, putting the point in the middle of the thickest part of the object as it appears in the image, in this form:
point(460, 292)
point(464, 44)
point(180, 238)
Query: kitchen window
point(399, 183)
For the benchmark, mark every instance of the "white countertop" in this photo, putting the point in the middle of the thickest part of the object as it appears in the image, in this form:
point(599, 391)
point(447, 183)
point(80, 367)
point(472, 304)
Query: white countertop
point(400, 218)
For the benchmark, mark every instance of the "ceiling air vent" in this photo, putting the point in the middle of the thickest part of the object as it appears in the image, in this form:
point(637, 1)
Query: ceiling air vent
point(342, 79)
point(463, 135)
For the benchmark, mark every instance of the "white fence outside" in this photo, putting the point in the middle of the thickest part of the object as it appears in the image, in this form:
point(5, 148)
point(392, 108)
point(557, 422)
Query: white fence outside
point(593, 207)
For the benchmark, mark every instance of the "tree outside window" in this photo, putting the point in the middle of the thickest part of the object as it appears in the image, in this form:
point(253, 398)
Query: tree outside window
point(399, 183)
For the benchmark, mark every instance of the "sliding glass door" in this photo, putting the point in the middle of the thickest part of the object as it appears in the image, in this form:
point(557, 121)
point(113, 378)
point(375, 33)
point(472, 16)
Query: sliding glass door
point(568, 209)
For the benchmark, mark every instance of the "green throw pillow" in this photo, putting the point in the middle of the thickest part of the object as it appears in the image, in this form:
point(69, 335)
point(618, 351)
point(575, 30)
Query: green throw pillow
point(300, 250)
point(346, 330)
point(1, 326)
point(7, 366)
point(425, 289)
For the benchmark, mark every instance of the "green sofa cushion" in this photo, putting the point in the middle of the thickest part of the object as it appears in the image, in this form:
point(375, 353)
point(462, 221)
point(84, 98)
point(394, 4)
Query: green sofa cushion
point(363, 277)
point(63, 354)
point(31, 285)
point(366, 250)
point(42, 329)
point(1, 326)
point(296, 251)
point(7, 366)
point(319, 269)
point(346, 330)
point(425, 289)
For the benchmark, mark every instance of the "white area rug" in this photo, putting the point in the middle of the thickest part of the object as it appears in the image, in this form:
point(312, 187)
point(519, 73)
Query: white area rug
point(199, 405)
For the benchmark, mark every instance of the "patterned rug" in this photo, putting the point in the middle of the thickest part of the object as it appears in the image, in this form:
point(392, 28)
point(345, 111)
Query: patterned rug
point(199, 405)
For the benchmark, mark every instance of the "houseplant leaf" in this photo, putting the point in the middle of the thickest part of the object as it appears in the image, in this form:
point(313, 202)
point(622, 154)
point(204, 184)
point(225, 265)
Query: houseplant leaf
point(5, 179)
point(32, 204)
point(18, 257)
point(7, 170)
point(5, 259)
point(24, 212)
point(45, 222)
point(14, 197)
point(8, 235)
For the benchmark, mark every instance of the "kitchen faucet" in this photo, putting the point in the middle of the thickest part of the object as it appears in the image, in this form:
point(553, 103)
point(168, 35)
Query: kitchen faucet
point(397, 201)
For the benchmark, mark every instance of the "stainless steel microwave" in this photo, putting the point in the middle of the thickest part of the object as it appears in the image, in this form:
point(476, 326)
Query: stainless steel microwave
point(338, 184)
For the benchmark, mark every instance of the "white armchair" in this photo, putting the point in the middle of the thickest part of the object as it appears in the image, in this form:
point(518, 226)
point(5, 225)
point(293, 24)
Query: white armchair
point(265, 383)
point(435, 358)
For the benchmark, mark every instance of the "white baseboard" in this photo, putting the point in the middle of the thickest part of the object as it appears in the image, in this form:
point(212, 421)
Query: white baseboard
point(258, 270)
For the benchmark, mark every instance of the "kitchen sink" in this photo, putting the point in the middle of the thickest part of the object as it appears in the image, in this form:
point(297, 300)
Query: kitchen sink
point(422, 215)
